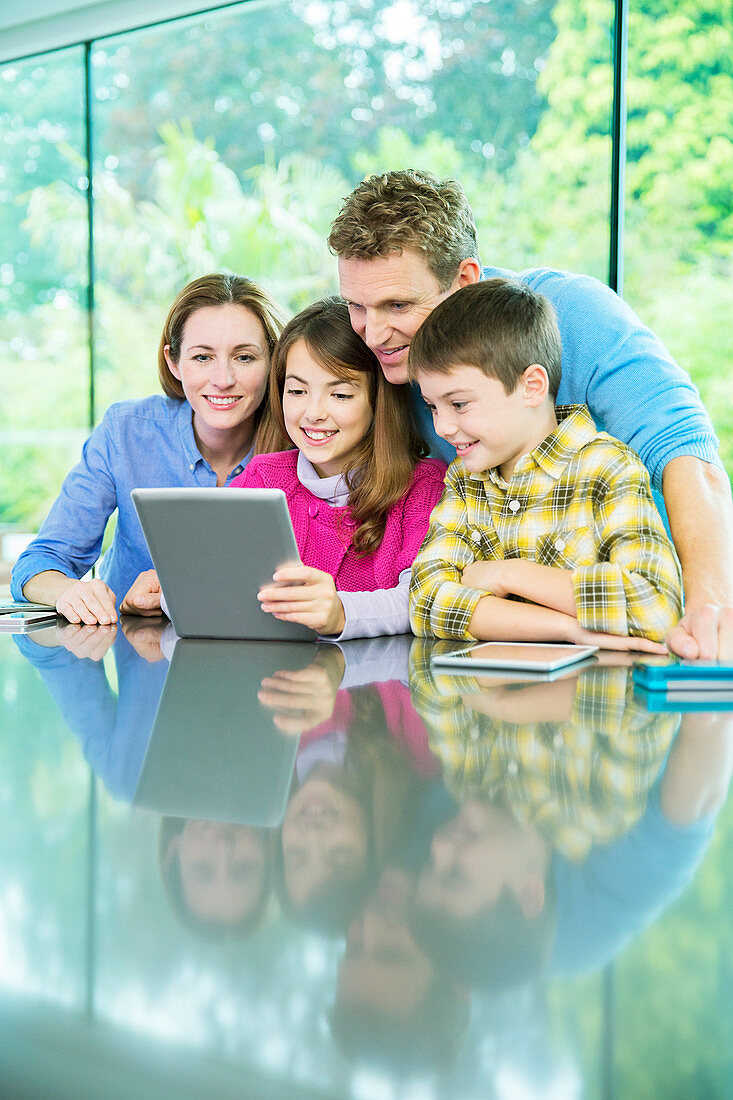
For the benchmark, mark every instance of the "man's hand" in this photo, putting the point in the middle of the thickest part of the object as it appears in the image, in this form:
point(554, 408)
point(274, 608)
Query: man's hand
point(143, 597)
point(704, 632)
point(88, 602)
point(304, 595)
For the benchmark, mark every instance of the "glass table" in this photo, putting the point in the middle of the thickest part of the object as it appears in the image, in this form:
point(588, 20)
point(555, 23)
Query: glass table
point(236, 869)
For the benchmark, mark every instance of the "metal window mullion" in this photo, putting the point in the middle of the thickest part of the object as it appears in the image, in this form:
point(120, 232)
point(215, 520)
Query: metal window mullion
point(618, 145)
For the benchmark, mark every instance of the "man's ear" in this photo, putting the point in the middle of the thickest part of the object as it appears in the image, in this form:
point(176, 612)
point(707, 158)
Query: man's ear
point(469, 271)
point(531, 894)
point(536, 385)
point(172, 367)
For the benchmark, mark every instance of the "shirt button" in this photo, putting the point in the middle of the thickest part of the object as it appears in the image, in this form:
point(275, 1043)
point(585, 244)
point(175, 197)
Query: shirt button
point(476, 535)
point(313, 510)
point(557, 741)
point(475, 733)
point(192, 467)
point(514, 506)
point(559, 545)
point(237, 470)
point(512, 767)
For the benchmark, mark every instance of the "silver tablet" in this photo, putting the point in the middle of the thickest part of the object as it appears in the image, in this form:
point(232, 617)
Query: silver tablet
point(524, 656)
point(213, 549)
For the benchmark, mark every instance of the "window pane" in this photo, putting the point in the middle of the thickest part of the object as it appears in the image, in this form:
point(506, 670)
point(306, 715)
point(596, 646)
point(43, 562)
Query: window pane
point(43, 351)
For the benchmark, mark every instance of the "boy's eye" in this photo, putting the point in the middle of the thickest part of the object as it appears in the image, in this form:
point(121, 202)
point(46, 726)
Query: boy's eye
point(459, 404)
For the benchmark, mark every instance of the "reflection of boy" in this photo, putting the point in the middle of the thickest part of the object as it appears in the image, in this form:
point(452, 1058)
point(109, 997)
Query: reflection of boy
point(497, 904)
point(580, 772)
point(538, 507)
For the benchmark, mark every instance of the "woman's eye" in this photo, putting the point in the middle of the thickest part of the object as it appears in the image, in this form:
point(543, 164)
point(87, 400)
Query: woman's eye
point(202, 357)
point(247, 358)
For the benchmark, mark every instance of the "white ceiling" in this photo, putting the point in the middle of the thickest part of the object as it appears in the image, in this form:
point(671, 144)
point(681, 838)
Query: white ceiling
point(33, 26)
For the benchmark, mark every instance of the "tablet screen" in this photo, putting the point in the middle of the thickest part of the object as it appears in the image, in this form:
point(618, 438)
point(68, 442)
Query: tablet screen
point(539, 656)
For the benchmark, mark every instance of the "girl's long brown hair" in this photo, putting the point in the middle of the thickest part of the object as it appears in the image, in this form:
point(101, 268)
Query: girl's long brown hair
point(382, 466)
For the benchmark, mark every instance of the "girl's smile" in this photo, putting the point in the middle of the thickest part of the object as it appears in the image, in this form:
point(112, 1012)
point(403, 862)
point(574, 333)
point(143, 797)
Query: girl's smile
point(326, 417)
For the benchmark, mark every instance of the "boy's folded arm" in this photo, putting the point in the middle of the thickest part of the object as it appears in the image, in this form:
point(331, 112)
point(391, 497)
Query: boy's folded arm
point(636, 586)
point(545, 585)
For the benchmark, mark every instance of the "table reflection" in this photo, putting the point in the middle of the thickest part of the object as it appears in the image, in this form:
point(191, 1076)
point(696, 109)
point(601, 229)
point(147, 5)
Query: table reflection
point(339, 860)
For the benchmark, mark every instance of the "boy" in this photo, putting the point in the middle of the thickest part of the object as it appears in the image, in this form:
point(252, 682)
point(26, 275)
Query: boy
point(538, 507)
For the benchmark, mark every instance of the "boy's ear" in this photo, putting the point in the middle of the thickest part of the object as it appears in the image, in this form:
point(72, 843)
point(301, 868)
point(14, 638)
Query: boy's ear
point(536, 385)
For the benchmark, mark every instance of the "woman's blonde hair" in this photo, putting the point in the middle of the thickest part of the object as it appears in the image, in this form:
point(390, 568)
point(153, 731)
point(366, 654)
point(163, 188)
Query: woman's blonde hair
point(382, 466)
point(213, 290)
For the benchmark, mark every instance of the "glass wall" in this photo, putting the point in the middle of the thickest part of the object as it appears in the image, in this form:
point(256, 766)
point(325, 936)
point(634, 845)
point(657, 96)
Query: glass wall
point(227, 141)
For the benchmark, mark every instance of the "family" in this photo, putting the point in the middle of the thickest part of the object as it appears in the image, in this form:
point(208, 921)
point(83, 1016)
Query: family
point(466, 452)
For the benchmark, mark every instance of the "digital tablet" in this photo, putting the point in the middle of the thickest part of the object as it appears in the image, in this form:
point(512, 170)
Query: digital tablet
point(213, 549)
point(524, 656)
point(664, 673)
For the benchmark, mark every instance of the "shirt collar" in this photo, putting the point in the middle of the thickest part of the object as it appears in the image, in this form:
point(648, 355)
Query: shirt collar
point(575, 428)
point(334, 489)
point(188, 442)
point(188, 439)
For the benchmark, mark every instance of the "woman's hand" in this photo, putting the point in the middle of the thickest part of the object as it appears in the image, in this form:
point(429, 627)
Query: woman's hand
point(88, 602)
point(143, 598)
point(304, 595)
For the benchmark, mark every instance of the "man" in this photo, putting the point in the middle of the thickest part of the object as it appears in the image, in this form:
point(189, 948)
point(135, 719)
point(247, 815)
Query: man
point(405, 241)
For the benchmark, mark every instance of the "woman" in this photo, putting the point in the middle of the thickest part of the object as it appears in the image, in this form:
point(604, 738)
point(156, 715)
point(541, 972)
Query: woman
point(213, 363)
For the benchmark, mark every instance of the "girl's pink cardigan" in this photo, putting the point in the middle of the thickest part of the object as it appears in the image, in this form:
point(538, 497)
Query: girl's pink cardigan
point(324, 533)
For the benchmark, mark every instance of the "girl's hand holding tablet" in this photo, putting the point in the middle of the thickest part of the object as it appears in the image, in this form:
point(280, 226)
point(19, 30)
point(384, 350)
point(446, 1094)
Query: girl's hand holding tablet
point(302, 594)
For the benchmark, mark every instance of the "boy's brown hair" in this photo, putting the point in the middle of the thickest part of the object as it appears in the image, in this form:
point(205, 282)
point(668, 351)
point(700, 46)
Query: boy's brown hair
point(498, 325)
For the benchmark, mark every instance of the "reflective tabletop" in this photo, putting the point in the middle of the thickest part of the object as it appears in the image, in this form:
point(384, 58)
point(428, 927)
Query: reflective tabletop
point(239, 869)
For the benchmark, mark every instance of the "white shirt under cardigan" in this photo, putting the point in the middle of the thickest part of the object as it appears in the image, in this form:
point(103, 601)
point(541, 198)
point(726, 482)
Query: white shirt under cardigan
point(367, 614)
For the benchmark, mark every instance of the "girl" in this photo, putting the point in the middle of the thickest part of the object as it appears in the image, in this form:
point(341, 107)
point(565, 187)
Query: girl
point(359, 493)
point(213, 362)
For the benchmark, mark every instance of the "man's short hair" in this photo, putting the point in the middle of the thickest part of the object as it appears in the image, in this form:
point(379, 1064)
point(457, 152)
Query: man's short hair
point(498, 325)
point(408, 209)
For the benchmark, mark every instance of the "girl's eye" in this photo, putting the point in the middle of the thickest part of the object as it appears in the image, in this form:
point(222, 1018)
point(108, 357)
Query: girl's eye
point(291, 391)
point(343, 396)
point(459, 404)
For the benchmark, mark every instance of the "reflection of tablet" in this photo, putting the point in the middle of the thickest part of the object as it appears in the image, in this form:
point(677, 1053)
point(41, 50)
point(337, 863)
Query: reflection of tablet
point(213, 549)
point(531, 656)
point(215, 752)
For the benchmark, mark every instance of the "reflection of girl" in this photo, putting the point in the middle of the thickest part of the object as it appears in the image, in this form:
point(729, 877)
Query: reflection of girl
point(359, 495)
point(354, 793)
point(212, 362)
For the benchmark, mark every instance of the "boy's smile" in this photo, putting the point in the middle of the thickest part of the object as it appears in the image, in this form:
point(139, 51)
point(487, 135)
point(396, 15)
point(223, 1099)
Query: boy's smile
point(487, 426)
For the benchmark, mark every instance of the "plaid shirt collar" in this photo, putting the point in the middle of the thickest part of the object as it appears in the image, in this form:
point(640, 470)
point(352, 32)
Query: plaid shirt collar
point(574, 429)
